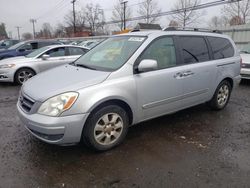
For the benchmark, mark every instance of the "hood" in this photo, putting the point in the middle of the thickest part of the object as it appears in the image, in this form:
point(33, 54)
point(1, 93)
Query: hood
point(6, 51)
point(15, 60)
point(245, 58)
point(61, 79)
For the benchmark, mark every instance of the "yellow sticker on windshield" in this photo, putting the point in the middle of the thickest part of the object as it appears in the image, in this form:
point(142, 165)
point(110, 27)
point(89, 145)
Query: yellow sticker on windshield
point(136, 39)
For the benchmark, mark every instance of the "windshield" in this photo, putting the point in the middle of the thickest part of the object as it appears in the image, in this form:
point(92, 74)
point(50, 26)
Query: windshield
point(37, 52)
point(16, 46)
point(246, 49)
point(111, 54)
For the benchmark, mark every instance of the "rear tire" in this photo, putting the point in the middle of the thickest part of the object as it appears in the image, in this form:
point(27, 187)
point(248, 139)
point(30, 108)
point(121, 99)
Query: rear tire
point(221, 96)
point(106, 128)
point(22, 75)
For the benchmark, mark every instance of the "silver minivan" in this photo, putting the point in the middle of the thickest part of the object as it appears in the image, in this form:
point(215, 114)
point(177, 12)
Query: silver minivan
point(125, 80)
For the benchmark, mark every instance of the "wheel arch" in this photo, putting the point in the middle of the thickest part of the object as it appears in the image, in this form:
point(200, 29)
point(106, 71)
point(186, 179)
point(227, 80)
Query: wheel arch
point(25, 67)
point(230, 80)
point(119, 102)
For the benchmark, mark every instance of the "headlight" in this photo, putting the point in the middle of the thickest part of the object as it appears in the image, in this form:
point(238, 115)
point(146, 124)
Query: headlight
point(58, 104)
point(5, 66)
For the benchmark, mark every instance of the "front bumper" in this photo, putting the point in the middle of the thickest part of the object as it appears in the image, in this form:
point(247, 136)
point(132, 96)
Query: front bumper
point(245, 73)
point(54, 130)
point(7, 75)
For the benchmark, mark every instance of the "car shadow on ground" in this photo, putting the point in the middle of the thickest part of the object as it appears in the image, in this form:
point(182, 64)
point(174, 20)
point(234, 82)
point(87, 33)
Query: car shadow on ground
point(245, 82)
point(7, 84)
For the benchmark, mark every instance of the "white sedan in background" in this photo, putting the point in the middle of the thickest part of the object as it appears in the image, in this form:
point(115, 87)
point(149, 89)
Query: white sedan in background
point(245, 66)
point(20, 69)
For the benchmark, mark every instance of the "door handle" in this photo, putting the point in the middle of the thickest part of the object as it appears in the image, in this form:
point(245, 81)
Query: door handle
point(187, 73)
point(62, 59)
point(178, 75)
point(183, 74)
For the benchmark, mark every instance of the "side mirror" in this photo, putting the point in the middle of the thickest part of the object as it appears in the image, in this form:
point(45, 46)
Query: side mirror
point(147, 65)
point(45, 57)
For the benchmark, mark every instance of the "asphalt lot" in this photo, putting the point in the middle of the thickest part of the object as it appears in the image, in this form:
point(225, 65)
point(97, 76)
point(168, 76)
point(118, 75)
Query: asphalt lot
point(196, 147)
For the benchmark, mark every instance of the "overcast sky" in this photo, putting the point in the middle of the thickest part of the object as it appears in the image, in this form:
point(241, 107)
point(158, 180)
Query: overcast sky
point(18, 12)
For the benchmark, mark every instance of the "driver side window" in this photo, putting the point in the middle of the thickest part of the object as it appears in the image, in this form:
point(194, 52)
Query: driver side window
point(57, 52)
point(163, 51)
point(26, 47)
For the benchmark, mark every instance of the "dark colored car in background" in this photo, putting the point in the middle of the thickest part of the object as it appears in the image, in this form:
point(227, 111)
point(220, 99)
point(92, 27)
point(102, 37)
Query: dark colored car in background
point(5, 44)
point(26, 47)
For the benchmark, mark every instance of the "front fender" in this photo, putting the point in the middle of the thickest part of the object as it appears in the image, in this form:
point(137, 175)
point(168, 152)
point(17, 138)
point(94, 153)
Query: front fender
point(90, 98)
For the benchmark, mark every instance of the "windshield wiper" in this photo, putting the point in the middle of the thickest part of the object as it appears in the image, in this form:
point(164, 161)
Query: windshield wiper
point(84, 66)
point(246, 52)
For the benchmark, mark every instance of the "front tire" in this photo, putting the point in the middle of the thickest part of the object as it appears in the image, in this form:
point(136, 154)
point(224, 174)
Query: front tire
point(22, 75)
point(106, 128)
point(221, 96)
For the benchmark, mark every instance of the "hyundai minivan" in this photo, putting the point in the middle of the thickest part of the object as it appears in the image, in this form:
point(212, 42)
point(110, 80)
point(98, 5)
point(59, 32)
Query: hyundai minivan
point(128, 79)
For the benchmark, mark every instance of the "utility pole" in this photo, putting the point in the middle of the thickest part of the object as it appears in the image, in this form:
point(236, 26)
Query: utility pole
point(74, 16)
point(18, 32)
point(10, 34)
point(124, 14)
point(33, 21)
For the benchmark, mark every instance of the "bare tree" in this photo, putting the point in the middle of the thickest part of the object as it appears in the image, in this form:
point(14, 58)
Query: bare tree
point(3, 33)
point(186, 15)
point(94, 16)
point(173, 23)
point(60, 31)
point(218, 22)
point(240, 11)
point(118, 13)
point(27, 36)
point(236, 20)
point(80, 20)
point(147, 9)
point(46, 31)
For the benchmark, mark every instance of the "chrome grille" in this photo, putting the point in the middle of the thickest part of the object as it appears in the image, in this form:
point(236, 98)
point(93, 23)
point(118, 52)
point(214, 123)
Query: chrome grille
point(26, 103)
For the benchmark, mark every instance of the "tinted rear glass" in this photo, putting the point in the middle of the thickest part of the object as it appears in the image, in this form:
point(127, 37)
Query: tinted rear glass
point(221, 47)
point(194, 49)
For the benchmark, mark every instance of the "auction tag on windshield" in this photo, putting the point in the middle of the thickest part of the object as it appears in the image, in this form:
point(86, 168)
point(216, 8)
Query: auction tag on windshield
point(136, 39)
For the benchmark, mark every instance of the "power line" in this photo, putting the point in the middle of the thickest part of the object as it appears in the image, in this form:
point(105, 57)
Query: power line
point(197, 7)
point(129, 5)
point(56, 7)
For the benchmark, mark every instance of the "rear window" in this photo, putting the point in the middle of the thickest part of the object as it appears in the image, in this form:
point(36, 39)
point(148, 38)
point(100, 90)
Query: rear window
point(194, 49)
point(221, 47)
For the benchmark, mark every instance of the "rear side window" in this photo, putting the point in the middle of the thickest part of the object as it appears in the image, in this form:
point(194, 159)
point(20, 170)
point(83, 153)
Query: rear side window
point(194, 49)
point(221, 47)
point(34, 45)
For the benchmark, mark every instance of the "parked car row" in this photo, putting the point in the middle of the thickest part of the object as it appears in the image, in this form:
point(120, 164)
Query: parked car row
point(25, 59)
point(20, 69)
point(25, 47)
